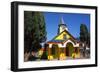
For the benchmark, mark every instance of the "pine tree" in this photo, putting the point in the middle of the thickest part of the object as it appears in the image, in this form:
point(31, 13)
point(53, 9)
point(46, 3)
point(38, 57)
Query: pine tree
point(34, 30)
point(84, 37)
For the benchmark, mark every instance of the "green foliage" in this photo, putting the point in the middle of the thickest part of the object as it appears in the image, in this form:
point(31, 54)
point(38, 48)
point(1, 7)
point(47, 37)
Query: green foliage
point(84, 34)
point(44, 56)
point(45, 52)
point(34, 30)
point(84, 37)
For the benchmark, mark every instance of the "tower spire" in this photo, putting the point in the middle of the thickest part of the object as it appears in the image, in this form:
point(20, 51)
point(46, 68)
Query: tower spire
point(62, 26)
point(62, 20)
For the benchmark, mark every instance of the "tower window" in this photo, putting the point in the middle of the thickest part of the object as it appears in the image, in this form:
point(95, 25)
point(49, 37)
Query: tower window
point(64, 28)
point(64, 36)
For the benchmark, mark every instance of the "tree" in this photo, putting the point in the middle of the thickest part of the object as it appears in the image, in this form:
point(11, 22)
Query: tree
point(45, 53)
point(83, 33)
point(88, 40)
point(27, 30)
point(84, 36)
point(34, 30)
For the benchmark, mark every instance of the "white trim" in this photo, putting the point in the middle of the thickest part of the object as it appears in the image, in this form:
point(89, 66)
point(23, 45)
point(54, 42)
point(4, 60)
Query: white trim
point(69, 41)
point(64, 45)
point(50, 45)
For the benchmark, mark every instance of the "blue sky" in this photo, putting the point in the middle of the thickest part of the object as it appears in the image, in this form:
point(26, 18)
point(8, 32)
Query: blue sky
point(72, 20)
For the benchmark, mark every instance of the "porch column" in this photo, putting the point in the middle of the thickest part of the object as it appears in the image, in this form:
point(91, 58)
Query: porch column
point(65, 51)
point(58, 53)
point(48, 50)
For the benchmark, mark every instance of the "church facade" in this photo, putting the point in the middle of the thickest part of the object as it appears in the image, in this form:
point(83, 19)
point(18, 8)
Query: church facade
point(63, 45)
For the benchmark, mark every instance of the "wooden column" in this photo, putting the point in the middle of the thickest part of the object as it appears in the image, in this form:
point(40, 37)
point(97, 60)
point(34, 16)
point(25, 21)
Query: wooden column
point(58, 53)
point(65, 50)
point(49, 51)
point(78, 50)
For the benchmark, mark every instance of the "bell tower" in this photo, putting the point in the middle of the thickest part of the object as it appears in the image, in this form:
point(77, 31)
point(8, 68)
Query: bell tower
point(62, 26)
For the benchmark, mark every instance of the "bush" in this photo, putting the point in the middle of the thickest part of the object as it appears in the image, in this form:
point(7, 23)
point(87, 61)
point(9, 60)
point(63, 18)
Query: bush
point(44, 56)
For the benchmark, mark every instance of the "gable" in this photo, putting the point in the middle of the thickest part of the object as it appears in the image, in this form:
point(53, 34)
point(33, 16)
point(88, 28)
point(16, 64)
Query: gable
point(63, 36)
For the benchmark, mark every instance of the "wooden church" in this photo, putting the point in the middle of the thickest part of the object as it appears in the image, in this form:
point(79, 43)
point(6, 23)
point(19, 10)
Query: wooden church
point(63, 45)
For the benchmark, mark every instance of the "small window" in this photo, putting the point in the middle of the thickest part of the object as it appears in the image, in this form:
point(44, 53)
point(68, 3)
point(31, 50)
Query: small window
point(64, 37)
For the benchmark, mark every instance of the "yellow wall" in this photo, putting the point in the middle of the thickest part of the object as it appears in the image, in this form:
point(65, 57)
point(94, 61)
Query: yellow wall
point(61, 29)
point(60, 37)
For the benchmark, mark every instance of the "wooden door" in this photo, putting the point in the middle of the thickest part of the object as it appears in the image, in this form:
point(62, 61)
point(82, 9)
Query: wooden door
point(67, 51)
